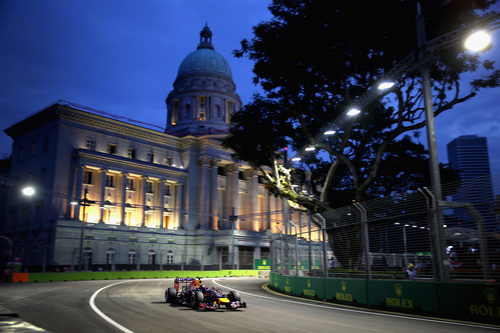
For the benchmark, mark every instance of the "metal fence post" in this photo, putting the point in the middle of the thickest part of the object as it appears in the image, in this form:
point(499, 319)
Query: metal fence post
point(309, 243)
point(365, 239)
point(296, 248)
point(323, 228)
point(440, 273)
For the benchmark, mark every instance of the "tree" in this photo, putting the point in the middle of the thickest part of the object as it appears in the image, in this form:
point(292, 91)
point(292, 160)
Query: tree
point(314, 58)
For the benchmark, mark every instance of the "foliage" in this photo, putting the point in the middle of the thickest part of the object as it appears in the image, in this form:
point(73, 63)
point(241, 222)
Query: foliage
point(314, 58)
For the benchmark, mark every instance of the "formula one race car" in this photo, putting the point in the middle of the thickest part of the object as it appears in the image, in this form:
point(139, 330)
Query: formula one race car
point(191, 292)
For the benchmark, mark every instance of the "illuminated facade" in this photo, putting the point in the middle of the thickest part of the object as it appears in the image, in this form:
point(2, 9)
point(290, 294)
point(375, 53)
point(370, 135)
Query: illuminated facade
point(131, 195)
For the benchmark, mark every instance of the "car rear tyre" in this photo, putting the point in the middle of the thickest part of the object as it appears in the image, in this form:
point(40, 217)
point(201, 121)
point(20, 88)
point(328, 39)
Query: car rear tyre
point(171, 295)
point(234, 296)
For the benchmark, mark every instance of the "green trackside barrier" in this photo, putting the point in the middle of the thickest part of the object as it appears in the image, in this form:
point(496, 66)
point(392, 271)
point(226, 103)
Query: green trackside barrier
point(310, 287)
point(466, 300)
point(346, 290)
point(287, 283)
point(79, 276)
point(409, 296)
point(274, 280)
point(473, 301)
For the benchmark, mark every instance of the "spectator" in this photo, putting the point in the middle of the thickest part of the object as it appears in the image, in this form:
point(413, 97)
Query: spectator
point(410, 270)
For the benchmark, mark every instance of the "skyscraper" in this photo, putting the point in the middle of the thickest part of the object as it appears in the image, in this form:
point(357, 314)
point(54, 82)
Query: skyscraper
point(468, 155)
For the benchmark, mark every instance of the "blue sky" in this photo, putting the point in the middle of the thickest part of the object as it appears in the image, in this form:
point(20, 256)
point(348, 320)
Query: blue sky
point(122, 56)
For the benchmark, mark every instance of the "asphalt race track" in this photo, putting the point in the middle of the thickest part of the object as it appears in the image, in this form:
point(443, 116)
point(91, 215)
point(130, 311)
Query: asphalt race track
point(139, 306)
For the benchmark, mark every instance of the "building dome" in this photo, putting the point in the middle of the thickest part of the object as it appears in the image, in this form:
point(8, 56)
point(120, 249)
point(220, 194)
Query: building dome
point(204, 61)
point(204, 96)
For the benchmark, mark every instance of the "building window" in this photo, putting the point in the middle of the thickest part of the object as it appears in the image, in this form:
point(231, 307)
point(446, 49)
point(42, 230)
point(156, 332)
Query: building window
point(151, 257)
point(110, 256)
point(87, 256)
point(110, 181)
point(106, 215)
point(167, 190)
point(149, 187)
point(130, 184)
point(128, 218)
point(131, 153)
point(175, 113)
point(170, 258)
point(131, 257)
point(91, 144)
point(217, 109)
point(43, 172)
point(20, 154)
point(111, 148)
point(87, 177)
point(46, 144)
point(151, 157)
point(168, 160)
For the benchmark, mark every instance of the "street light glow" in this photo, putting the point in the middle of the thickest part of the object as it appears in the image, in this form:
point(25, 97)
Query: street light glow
point(330, 132)
point(28, 191)
point(296, 159)
point(385, 85)
point(353, 112)
point(478, 41)
point(310, 148)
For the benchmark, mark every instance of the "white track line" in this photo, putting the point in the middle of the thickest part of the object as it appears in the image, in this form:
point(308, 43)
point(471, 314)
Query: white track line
point(332, 307)
point(102, 315)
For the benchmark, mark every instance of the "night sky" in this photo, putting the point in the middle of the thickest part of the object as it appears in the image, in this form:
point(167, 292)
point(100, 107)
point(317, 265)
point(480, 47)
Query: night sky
point(122, 56)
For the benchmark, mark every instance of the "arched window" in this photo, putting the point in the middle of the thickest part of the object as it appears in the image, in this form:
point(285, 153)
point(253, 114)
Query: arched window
point(151, 257)
point(110, 256)
point(170, 258)
point(188, 111)
point(87, 256)
point(131, 256)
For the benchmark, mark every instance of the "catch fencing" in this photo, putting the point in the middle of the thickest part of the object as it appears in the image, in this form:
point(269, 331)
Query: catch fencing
point(404, 236)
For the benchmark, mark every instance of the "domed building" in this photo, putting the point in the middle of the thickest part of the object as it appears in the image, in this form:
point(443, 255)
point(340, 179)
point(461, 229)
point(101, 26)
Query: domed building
point(124, 195)
point(204, 95)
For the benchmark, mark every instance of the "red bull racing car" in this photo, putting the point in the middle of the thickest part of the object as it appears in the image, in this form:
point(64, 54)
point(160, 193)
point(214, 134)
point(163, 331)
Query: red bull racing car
point(192, 292)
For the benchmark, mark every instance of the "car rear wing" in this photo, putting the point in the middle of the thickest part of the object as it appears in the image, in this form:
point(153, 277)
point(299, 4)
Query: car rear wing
point(185, 281)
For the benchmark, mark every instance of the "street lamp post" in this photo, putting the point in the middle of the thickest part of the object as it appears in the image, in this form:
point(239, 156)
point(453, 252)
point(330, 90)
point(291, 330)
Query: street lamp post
point(84, 203)
point(437, 218)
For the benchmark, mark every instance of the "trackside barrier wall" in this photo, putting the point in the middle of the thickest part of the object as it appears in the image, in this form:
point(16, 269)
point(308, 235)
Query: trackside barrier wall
point(79, 276)
point(465, 300)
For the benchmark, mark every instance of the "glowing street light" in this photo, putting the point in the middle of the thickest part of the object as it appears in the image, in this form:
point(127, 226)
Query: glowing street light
point(353, 112)
point(28, 191)
point(478, 41)
point(330, 132)
point(310, 148)
point(385, 85)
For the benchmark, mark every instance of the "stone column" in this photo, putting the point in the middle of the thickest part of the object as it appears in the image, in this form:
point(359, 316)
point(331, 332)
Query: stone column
point(257, 252)
point(179, 205)
point(162, 202)
point(144, 197)
point(124, 198)
point(204, 195)
point(102, 195)
point(253, 189)
point(235, 194)
point(78, 190)
point(214, 196)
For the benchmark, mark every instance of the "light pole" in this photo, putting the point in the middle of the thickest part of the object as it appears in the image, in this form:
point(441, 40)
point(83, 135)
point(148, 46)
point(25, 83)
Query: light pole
point(84, 203)
point(437, 218)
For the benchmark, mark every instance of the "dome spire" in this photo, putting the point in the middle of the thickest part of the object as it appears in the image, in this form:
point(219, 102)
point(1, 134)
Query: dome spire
point(206, 38)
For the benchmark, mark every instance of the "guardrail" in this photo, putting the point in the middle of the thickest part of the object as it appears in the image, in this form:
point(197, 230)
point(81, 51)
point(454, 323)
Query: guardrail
point(478, 302)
